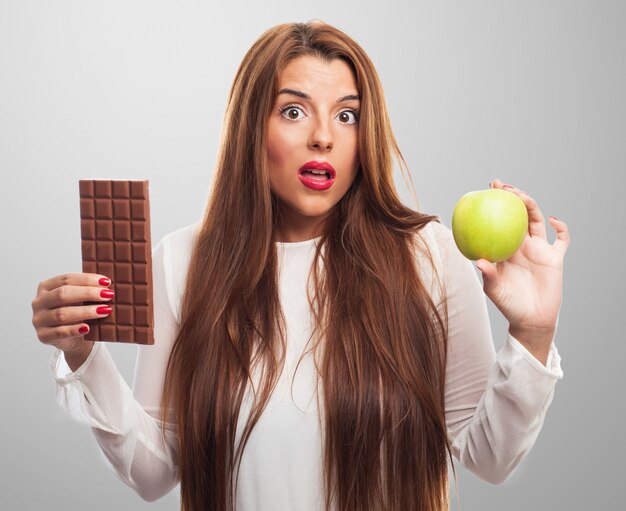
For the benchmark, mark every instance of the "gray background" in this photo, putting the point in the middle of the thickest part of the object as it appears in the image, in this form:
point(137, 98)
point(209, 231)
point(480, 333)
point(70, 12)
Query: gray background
point(530, 92)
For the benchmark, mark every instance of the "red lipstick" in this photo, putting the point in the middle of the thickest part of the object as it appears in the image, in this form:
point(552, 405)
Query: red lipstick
point(314, 182)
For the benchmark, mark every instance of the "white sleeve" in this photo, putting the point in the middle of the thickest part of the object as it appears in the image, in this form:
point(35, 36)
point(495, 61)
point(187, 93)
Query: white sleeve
point(126, 423)
point(495, 403)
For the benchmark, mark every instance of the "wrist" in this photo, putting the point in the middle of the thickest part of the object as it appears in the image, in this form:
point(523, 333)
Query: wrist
point(76, 356)
point(536, 341)
point(82, 346)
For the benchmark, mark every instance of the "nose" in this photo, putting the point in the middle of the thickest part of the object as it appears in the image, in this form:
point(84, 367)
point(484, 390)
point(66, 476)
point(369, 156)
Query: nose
point(321, 138)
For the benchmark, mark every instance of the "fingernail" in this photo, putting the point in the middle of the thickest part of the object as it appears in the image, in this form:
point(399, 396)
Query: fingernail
point(554, 217)
point(104, 282)
point(83, 329)
point(107, 293)
point(507, 186)
point(103, 310)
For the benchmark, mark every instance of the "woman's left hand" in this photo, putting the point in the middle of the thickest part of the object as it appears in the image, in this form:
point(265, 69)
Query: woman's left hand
point(527, 288)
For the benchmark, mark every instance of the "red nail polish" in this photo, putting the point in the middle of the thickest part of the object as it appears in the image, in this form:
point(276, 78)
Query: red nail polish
point(83, 329)
point(104, 282)
point(554, 217)
point(507, 186)
point(107, 293)
point(103, 310)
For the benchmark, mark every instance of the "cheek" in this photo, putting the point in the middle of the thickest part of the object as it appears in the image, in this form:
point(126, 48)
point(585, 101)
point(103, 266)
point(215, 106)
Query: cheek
point(352, 160)
point(278, 158)
point(280, 145)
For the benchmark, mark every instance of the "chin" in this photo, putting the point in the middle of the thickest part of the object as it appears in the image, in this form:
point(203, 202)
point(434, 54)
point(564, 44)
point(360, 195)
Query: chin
point(317, 210)
point(309, 207)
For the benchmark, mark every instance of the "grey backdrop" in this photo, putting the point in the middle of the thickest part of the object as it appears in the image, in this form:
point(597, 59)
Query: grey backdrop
point(531, 92)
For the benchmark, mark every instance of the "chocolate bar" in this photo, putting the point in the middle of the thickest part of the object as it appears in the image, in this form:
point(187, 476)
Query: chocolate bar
point(115, 242)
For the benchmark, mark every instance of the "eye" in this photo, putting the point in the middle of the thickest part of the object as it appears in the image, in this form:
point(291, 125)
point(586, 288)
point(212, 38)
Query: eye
point(348, 116)
point(291, 112)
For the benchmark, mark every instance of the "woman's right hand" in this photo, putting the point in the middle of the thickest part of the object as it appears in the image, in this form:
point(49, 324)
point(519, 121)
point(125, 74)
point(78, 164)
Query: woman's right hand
point(59, 314)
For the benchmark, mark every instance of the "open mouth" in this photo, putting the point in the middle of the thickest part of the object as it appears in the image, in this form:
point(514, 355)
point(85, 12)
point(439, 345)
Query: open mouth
point(316, 179)
point(320, 175)
point(317, 175)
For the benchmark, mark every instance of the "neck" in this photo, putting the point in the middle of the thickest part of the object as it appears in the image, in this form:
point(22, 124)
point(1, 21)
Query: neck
point(297, 233)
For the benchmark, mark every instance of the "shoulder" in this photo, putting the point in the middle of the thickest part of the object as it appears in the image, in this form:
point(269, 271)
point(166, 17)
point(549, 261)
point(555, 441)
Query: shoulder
point(172, 255)
point(182, 238)
point(440, 240)
point(441, 264)
point(438, 233)
point(176, 247)
point(436, 242)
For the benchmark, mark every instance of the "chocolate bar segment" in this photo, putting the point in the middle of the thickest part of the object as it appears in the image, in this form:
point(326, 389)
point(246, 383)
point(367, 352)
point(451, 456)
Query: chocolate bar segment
point(115, 241)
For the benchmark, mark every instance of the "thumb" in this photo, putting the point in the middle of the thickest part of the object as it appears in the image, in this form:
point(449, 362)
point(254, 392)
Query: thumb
point(489, 273)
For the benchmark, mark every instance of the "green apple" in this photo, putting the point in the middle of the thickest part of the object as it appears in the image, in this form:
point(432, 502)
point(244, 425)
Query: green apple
point(489, 224)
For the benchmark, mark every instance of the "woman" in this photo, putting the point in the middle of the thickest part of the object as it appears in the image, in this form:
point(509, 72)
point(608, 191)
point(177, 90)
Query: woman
point(349, 387)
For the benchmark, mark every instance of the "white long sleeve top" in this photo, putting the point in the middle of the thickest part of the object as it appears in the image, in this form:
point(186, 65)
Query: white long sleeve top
point(495, 404)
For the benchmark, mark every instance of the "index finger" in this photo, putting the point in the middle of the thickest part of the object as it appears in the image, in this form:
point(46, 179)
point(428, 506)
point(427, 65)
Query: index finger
point(536, 221)
point(75, 279)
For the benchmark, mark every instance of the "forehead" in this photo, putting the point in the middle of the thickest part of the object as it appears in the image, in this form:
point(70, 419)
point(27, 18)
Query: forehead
point(312, 74)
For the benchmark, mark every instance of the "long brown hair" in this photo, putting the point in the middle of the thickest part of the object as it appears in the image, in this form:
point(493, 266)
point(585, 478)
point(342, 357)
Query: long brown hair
point(382, 339)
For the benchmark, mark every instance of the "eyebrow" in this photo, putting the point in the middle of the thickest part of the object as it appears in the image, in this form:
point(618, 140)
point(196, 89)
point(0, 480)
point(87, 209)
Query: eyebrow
point(304, 95)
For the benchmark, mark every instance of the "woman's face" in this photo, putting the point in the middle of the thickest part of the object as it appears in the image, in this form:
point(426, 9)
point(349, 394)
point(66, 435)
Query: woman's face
point(314, 119)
